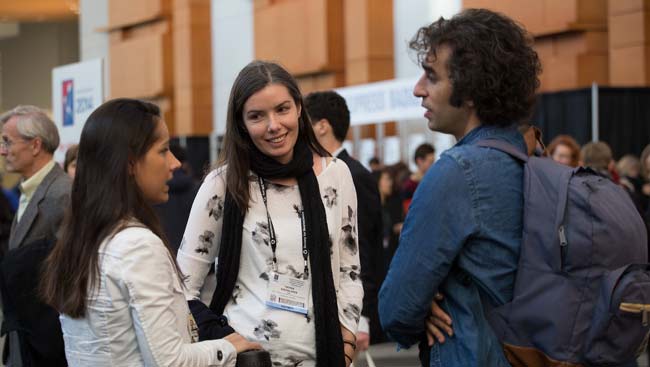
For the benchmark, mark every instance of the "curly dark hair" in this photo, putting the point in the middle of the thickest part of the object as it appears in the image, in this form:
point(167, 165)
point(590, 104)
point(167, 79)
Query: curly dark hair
point(492, 63)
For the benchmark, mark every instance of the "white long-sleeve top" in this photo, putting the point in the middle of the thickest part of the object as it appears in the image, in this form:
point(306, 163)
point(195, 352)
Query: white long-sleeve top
point(138, 313)
point(288, 336)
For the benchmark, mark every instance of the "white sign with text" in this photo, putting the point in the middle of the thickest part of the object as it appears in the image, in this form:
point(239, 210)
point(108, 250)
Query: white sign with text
point(77, 89)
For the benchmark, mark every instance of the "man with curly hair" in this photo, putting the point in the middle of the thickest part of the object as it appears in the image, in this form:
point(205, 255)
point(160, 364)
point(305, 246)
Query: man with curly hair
point(461, 239)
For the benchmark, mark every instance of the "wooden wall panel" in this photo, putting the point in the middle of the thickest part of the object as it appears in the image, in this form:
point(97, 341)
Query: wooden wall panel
point(545, 17)
point(304, 36)
point(629, 43)
point(368, 41)
point(320, 82)
point(192, 68)
point(369, 49)
point(571, 38)
point(140, 64)
point(573, 60)
point(123, 13)
point(627, 6)
point(629, 29)
point(630, 66)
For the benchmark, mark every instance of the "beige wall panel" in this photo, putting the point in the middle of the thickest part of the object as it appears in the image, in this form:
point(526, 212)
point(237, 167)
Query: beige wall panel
point(565, 60)
point(356, 29)
point(201, 117)
point(630, 66)
point(192, 56)
point(304, 36)
point(166, 110)
point(313, 83)
point(543, 17)
point(560, 15)
point(380, 42)
point(577, 71)
point(545, 49)
point(616, 7)
point(631, 29)
point(531, 15)
point(129, 12)
point(192, 68)
point(368, 29)
point(193, 111)
point(191, 12)
point(369, 70)
point(478, 4)
point(140, 64)
point(580, 43)
point(368, 131)
point(142, 30)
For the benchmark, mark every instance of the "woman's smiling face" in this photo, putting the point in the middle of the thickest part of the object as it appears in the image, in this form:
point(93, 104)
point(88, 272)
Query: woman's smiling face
point(271, 118)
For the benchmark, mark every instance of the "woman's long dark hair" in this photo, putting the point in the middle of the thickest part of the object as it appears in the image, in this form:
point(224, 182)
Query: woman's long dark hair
point(235, 153)
point(104, 196)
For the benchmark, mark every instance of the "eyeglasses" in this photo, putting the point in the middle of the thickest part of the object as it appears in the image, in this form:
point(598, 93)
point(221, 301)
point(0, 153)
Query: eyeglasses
point(7, 144)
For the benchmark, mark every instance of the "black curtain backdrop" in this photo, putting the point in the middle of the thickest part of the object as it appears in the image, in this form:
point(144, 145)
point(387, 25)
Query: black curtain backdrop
point(624, 115)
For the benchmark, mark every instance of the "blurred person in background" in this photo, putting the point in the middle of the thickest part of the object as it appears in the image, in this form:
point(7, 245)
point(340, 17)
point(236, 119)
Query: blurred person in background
point(629, 169)
point(375, 166)
point(391, 211)
point(29, 140)
point(111, 275)
point(330, 119)
point(70, 160)
point(424, 157)
point(645, 189)
point(645, 171)
point(565, 150)
point(598, 156)
point(401, 172)
point(173, 214)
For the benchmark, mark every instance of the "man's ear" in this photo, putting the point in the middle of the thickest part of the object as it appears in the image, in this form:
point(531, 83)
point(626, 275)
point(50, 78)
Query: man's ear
point(36, 145)
point(321, 127)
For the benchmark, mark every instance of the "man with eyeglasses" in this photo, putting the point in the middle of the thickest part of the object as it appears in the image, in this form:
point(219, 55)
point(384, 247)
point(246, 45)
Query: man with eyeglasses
point(29, 140)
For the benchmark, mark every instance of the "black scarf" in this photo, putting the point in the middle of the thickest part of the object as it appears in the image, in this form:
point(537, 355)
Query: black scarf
point(329, 343)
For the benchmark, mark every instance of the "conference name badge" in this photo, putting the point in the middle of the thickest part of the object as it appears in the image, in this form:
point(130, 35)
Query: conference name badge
point(288, 293)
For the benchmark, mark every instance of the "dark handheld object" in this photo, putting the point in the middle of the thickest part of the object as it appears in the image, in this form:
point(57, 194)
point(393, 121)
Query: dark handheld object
point(254, 358)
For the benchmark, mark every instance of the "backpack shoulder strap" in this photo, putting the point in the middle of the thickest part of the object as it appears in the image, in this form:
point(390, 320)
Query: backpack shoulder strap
point(504, 147)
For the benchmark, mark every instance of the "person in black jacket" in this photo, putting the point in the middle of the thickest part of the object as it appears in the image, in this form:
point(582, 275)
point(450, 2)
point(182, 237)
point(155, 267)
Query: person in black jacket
point(331, 120)
point(182, 189)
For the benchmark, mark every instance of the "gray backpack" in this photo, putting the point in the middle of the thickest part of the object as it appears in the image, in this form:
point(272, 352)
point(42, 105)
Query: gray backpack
point(582, 290)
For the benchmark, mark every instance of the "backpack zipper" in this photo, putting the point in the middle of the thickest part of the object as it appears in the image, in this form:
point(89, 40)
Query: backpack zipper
point(636, 308)
point(563, 245)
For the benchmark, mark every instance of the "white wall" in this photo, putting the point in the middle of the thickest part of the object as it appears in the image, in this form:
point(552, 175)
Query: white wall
point(408, 17)
point(28, 59)
point(232, 49)
point(93, 15)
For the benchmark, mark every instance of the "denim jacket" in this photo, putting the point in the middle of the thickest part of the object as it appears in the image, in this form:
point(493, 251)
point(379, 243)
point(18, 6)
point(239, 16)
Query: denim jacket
point(461, 238)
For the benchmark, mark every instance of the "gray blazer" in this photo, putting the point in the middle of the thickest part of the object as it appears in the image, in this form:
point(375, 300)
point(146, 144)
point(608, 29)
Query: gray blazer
point(44, 213)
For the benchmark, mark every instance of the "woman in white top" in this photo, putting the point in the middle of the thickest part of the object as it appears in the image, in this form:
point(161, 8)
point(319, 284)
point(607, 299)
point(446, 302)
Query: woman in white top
point(279, 217)
point(111, 275)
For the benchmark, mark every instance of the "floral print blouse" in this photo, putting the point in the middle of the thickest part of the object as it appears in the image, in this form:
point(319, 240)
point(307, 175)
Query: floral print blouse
point(288, 336)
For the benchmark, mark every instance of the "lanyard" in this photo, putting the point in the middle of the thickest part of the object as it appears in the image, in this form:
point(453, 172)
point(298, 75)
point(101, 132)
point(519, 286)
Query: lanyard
point(272, 238)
